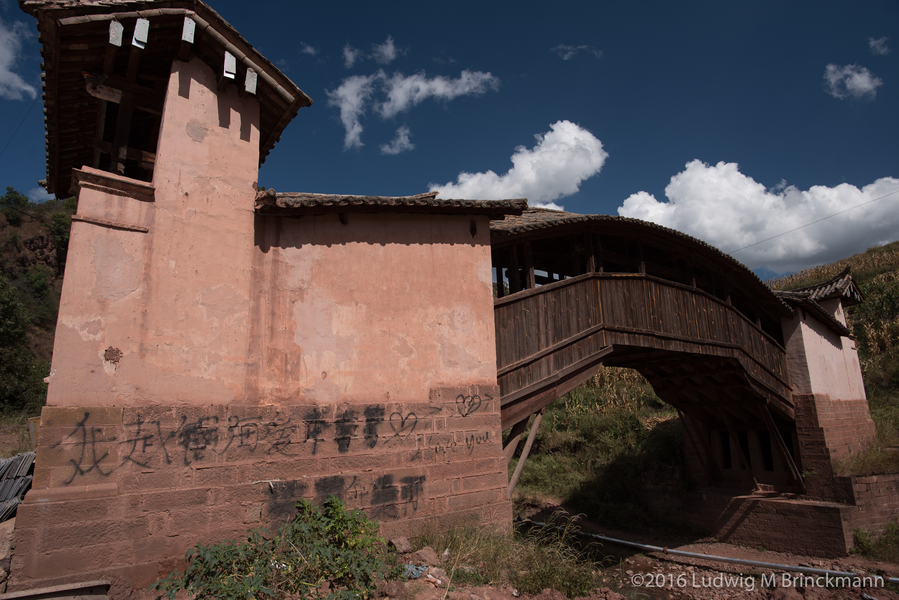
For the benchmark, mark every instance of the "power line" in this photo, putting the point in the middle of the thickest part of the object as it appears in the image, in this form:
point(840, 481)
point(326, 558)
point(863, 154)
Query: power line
point(813, 222)
point(19, 125)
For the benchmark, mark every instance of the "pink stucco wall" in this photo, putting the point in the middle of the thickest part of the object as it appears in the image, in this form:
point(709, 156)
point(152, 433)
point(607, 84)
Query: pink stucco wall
point(215, 305)
point(824, 369)
point(822, 362)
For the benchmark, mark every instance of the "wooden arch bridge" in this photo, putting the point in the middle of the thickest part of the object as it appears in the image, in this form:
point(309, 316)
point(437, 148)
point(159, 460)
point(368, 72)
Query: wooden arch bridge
point(576, 292)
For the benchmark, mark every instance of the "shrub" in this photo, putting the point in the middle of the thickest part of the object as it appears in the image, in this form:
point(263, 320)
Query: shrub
point(319, 545)
point(884, 547)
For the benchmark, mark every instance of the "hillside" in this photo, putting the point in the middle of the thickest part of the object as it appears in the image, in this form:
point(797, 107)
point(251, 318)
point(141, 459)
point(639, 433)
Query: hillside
point(33, 243)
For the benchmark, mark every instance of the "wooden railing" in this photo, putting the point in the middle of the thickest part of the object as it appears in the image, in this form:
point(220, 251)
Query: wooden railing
point(551, 338)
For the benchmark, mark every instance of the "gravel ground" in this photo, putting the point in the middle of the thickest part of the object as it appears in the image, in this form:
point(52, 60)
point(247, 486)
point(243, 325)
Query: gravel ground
point(657, 576)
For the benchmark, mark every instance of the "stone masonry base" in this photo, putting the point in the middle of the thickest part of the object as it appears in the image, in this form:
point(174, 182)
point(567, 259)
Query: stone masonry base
point(122, 493)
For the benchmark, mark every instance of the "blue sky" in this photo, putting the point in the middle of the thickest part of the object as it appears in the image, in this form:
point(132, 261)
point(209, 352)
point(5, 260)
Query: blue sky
point(733, 122)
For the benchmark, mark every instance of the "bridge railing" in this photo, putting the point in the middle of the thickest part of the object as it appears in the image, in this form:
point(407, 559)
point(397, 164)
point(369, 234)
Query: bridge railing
point(545, 331)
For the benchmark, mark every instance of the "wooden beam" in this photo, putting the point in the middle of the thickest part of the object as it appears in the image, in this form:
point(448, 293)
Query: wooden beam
point(703, 459)
point(115, 42)
point(782, 446)
point(524, 408)
point(525, 451)
point(126, 107)
point(591, 257)
point(736, 441)
point(511, 444)
point(530, 283)
point(549, 350)
point(514, 279)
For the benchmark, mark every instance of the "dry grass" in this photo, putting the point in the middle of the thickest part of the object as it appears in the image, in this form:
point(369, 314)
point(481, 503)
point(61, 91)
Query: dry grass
point(531, 560)
point(879, 257)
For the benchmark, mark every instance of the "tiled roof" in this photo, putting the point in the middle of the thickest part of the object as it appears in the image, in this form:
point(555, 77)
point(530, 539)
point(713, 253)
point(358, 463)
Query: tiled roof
point(804, 300)
point(842, 286)
point(70, 112)
point(271, 202)
point(534, 219)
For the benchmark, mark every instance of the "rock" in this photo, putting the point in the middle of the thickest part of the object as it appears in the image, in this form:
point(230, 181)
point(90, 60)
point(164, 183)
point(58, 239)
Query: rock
point(401, 544)
point(439, 574)
point(6, 538)
point(786, 593)
point(392, 589)
point(426, 555)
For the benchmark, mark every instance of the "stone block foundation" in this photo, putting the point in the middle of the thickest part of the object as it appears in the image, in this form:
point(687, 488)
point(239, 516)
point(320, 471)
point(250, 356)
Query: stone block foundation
point(122, 493)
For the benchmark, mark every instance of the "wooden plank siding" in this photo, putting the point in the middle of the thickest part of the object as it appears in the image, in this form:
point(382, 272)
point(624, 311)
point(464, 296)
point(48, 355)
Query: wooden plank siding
point(541, 332)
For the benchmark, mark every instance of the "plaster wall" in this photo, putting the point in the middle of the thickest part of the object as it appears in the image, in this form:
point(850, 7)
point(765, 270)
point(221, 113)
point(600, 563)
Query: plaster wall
point(827, 381)
point(214, 305)
point(822, 362)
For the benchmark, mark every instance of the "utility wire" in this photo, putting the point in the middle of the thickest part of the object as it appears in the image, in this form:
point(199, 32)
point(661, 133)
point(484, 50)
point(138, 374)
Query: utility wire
point(732, 252)
point(19, 125)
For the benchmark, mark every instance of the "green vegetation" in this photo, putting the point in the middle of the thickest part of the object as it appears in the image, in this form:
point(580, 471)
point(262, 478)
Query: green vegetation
point(596, 442)
point(885, 547)
point(327, 552)
point(531, 560)
point(34, 240)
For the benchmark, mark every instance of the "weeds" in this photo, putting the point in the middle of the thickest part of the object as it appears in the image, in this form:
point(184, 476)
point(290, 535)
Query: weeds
point(884, 547)
point(596, 442)
point(328, 545)
point(531, 558)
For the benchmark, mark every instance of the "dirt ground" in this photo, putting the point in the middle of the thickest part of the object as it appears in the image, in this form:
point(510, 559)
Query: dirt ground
point(659, 576)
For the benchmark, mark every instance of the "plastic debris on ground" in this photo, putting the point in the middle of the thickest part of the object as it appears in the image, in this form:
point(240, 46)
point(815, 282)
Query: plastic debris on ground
point(414, 572)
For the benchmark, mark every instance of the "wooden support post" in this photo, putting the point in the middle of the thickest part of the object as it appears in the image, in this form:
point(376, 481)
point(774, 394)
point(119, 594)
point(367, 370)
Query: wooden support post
point(597, 248)
point(782, 446)
point(530, 282)
point(515, 278)
point(525, 451)
point(591, 258)
point(126, 107)
point(736, 441)
point(703, 460)
point(511, 444)
point(642, 257)
point(115, 42)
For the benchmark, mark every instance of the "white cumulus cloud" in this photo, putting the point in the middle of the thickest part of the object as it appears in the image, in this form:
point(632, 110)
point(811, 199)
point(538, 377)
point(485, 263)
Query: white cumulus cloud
point(12, 86)
point(307, 49)
point(350, 97)
point(850, 80)
point(400, 143)
point(398, 93)
point(350, 56)
point(403, 91)
point(384, 53)
point(729, 210)
point(555, 167)
point(38, 194)
point(569, 52)
point(879, 46)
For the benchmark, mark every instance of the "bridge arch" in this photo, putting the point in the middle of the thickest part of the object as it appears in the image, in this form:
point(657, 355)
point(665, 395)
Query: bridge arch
point(575, 292)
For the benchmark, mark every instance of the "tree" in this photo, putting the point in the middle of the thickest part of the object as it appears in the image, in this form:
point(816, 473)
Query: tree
point(11, 205)
point(22, 384)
